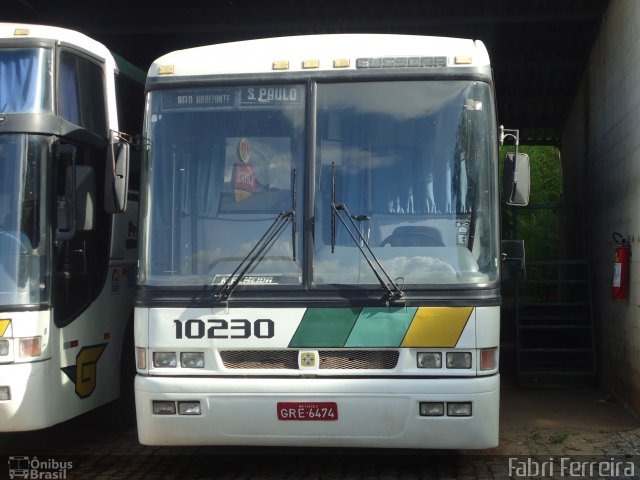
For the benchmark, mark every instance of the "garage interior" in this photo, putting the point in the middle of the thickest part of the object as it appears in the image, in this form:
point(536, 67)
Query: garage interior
point(548, 58)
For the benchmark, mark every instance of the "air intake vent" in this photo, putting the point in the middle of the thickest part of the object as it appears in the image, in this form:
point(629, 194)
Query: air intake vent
point(329, 359)
point(358, 359)
point(263, 359)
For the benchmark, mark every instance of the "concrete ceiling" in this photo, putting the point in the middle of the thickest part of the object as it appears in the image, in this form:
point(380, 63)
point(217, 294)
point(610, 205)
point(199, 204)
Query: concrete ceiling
point(539, 48)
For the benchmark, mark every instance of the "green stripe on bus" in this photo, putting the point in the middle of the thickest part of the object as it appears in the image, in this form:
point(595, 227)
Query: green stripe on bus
point(381, 327)
point(324, 327)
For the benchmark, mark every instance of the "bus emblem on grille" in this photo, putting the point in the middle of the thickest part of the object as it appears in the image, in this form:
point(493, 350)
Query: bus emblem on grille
point(308, 360)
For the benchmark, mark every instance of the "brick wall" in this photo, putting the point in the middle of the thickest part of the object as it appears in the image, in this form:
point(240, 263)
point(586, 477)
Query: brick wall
point(601, 172)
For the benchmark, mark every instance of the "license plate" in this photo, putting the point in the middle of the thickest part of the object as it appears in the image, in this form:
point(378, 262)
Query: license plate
point(308, 411)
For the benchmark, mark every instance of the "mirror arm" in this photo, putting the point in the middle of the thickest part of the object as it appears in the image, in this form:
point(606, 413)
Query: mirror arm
point(509, 132)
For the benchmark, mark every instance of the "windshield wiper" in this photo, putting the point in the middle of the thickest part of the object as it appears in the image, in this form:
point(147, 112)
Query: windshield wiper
point(262, 246)
point(256, 254)
point(393, 291)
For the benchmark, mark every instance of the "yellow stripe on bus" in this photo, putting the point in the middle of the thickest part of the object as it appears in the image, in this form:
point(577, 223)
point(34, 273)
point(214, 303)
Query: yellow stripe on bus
point(437, 327)
point(4, 324)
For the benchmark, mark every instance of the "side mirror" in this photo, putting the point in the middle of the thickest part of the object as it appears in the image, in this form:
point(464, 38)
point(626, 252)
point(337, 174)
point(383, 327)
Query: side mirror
point(516, 179)
point(116, 177)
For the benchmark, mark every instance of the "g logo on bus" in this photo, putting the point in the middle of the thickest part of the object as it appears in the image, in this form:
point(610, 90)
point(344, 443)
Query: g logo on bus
point(84, 372)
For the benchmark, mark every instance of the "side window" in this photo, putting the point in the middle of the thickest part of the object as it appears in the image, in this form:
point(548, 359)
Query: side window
point(81, 92)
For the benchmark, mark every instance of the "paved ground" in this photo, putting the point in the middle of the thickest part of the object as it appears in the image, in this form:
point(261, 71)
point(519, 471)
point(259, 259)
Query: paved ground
point(565, 421)
point(544, 428)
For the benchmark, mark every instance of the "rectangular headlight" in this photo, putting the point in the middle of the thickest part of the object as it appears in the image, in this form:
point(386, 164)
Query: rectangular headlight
point(429, 360)
point(458, 359)
point(30, 347)
point(189, 408)
point(431, 409)
point(164, 408)
point(192, 359)
point(164, 359)
point(4, 348)
point(5, 392)
point(459, 409)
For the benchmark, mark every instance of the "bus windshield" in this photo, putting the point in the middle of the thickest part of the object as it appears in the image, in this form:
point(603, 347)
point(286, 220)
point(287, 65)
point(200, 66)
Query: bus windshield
point(225, 162)
point(412, 162)
point(25, 80)
point(23, 235)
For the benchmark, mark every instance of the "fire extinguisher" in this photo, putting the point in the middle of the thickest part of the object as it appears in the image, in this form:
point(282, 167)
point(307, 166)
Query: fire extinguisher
point(621, 264)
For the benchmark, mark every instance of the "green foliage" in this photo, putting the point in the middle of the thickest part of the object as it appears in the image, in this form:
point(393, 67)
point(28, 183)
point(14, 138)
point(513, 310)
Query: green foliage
point(558, 438)
point(538, 223)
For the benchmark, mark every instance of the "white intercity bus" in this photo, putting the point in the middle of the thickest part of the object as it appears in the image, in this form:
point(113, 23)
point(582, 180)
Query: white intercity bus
point(320, 245)
point(68, 231)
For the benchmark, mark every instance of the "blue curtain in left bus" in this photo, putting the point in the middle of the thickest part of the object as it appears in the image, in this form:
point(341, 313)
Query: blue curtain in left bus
point(21, 86)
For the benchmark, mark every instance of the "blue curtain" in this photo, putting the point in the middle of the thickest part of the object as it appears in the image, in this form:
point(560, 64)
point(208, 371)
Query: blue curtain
point(22, 89)
point(68, 107)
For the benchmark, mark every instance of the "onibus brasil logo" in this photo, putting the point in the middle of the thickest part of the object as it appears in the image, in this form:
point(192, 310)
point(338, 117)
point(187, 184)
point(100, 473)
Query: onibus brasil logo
point(34, 468)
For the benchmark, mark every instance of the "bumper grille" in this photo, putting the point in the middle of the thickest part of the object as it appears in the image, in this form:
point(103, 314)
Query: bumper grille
point(329, 359)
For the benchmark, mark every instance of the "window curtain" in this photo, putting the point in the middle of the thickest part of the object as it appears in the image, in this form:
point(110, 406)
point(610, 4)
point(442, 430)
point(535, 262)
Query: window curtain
point(68, 106)
point(22, 87)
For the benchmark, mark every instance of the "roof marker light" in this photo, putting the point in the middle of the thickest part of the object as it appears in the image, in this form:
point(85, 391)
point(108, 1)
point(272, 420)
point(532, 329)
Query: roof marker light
point(21, 32)
point(341, 63)
point(463, 60)
point(166, 70)
point(311, 64)
point(280, 65)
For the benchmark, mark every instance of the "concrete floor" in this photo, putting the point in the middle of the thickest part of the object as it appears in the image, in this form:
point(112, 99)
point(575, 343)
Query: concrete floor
point(564, 420)
point(538, 424)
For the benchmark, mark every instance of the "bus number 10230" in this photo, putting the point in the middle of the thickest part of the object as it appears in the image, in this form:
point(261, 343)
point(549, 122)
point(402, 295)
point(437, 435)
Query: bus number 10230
point(220, 328)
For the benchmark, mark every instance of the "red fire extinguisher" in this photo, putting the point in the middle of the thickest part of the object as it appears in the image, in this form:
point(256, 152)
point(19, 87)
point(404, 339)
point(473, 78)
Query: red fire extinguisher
point(621, 264)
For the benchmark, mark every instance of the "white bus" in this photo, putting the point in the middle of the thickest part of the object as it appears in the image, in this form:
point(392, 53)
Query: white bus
point(320, 245)
point(68, 237)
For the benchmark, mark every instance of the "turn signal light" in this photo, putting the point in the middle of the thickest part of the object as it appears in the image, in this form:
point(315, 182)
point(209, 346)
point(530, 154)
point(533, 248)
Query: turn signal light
point(489, 359)
point(141, 358)
point(30, 347)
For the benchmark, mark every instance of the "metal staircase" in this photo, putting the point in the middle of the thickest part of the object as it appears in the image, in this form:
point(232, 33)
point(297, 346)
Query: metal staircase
point(554, 327)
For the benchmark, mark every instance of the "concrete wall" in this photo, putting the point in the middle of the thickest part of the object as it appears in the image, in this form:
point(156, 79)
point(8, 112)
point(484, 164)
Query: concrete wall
point(601, 171)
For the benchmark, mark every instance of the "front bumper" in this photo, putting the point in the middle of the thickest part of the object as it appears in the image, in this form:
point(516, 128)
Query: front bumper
point(380, 412)
point(28, 408)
